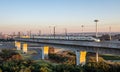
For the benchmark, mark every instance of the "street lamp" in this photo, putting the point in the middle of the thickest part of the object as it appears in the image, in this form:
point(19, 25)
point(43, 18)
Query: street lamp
point(96, 36)
point(110, 32)
point(39, 32)
point(54, 32)
point(82, 28)
point(96, 28)
point(50, 31)
point(65, 32)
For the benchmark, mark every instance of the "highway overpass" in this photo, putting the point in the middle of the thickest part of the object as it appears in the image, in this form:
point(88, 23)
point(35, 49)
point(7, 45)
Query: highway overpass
point(77, 46)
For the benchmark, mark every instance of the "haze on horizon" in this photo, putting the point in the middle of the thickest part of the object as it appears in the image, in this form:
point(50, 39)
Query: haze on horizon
point(24, 15)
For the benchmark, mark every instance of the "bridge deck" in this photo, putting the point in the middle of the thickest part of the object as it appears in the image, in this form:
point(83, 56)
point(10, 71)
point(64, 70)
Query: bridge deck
point(77, 43)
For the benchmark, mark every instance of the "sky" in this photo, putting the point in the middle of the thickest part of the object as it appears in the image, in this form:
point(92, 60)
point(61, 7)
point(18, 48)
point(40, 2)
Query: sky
point(35, 15)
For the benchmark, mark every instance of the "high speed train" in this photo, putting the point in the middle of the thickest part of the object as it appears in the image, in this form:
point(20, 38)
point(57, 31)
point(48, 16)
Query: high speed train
point(77, 38)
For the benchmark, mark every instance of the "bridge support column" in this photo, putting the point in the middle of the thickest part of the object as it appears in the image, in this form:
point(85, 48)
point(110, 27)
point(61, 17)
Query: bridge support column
point(77, 57)
point(18, 45)
point(97, 56)
point(45, 51)
point(24, 47)
point(80, 57)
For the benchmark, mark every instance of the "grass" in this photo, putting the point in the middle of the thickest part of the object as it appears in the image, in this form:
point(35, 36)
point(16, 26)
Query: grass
point(26, 56)
point(110, 57)
point(105, 56)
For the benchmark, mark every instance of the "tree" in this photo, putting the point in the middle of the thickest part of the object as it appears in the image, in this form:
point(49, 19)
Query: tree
point(43, 69)
point(0, 70)
point(27, 70)
point(7, 54)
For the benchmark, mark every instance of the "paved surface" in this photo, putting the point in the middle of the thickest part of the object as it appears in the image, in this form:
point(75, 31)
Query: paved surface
point(104, 47)
point(103, 44)
point(7, 45)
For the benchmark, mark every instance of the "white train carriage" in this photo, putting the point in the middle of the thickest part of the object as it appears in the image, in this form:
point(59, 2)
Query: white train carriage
point(77, 38)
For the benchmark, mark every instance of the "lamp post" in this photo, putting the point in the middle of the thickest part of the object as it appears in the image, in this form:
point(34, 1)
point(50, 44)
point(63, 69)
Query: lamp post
point(54, 32)
point(96, 36)
point(96, 28)
point(110, 32)
point(39, 32)
point(50, 31)
point(65, 32)
point(30, 33)
point(82, 28)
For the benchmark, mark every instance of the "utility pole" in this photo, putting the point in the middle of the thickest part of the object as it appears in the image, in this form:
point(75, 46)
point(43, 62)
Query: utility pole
point(50, 33)
point(110, 32)
point(82, 29)
point(54, 32)
point(96, 33)
point(19, 34)
point(65, 32)
point(30, 33)
point(39, 32)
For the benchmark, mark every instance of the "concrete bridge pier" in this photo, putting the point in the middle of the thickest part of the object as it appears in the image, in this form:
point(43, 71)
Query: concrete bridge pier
point(45, 51)
point(97, 55)
point(77, 57)
point(80, 57)
point(24, 47)
point(21, 46)
point(18, 45)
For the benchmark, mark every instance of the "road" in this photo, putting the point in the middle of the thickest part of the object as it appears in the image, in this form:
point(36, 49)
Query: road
point(7, 45)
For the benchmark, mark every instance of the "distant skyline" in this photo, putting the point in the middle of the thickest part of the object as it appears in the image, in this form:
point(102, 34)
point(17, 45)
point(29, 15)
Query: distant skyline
point(35, 15)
